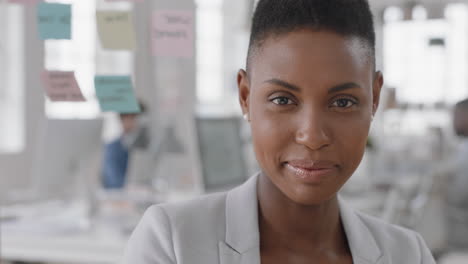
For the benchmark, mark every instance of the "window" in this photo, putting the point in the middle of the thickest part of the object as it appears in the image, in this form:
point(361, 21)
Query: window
point(426, 60)
point(12, 125)
point(209, 51)
point(419, 13)
point(83, 55)
point(78, 55)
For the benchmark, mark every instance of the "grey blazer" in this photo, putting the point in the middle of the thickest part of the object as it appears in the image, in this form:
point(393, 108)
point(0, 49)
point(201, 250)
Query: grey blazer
point(223, 228)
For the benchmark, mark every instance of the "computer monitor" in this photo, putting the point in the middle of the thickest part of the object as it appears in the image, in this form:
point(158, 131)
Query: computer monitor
point(221, 152)
point(67, 152)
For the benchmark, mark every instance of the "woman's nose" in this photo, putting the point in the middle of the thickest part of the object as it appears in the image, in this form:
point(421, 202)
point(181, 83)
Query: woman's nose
point(312, 132)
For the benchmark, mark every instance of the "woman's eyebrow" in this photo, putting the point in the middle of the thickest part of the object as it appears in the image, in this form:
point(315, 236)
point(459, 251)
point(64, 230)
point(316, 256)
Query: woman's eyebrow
point(284, 84)
point(334, 89)
point(342, 87)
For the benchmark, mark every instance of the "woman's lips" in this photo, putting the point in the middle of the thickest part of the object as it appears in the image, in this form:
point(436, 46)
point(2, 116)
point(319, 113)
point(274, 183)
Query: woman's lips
point(310, 172)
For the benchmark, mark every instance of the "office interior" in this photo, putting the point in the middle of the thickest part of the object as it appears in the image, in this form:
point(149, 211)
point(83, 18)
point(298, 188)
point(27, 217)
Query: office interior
point(192, 138)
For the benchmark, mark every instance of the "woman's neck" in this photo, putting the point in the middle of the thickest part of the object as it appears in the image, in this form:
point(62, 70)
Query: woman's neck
point(285, 223)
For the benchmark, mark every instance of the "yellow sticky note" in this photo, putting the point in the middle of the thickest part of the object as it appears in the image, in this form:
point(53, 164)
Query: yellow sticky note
point(116, 30)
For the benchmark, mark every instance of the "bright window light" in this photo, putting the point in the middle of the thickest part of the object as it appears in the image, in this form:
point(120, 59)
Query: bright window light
point(426, 60)
point(12, 119)
point(209, 51)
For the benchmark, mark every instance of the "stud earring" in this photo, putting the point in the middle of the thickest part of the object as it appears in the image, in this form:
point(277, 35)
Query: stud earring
point(246, 117)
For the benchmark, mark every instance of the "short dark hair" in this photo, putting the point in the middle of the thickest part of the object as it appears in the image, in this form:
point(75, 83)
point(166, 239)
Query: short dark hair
point(344, 17)
point(462, 104)
point(143, 110)
point(460, 120)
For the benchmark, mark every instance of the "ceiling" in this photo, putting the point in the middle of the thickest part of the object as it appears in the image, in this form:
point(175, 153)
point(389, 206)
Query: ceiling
point(379, 4)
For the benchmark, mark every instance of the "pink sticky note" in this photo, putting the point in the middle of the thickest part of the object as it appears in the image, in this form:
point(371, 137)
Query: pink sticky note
point(62, 86)
point(172, 33)
point(25, 2)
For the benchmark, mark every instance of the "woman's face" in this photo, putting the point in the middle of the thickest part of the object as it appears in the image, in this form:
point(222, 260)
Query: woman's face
point(310, 97)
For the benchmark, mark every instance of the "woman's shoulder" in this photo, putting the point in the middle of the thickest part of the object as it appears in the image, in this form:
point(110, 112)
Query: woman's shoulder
point(202, 206)
point(194, 225)
point(396, 242)
point(192, 213)
point(379, 227)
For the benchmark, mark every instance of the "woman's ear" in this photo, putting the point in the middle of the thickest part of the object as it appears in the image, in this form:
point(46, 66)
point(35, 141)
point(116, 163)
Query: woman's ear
point(376, 88)
point(243, 85)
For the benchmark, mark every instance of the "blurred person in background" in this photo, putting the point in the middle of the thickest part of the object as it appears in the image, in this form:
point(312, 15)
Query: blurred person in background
point(117, 152)
point(457, 184)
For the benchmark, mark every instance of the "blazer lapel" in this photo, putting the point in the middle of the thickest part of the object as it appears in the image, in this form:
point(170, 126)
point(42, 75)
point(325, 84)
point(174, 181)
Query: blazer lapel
point(228, 255)
point(242, 240)
point(363, 246)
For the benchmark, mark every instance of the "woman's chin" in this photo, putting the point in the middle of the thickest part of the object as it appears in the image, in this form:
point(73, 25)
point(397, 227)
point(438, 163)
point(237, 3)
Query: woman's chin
point(310, 199)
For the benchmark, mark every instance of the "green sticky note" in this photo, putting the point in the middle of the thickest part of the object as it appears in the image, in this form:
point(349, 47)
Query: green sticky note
point(115, 93)
point(54, 21)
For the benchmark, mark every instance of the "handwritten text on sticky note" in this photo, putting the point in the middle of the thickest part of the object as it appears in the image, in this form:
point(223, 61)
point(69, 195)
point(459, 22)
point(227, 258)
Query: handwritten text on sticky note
point(115, 30)
point(61, 86)
point(115, 93)
point(54, 21)
point(173, 33)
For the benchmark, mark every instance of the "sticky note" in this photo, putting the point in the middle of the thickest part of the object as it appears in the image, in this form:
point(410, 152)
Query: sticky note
point(24, 2)
point(172, 33)
point(116, 30)
point(61, 86)
point(54, 21)
point(115, 93)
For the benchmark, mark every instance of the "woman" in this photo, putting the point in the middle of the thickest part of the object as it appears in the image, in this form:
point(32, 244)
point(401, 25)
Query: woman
point(310, 91)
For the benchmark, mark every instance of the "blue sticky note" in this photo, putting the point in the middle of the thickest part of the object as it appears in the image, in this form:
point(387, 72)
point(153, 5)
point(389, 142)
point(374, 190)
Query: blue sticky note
point(54, 21)
point(115, 93)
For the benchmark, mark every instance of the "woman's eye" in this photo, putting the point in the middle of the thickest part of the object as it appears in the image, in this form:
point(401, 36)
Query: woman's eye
point(282, 100)
point(343, 103)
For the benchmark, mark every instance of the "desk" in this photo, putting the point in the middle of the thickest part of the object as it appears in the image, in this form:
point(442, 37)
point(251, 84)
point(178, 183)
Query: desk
point(102, 243)
point(59, 232)
point(99, 245)
point(455, 258)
